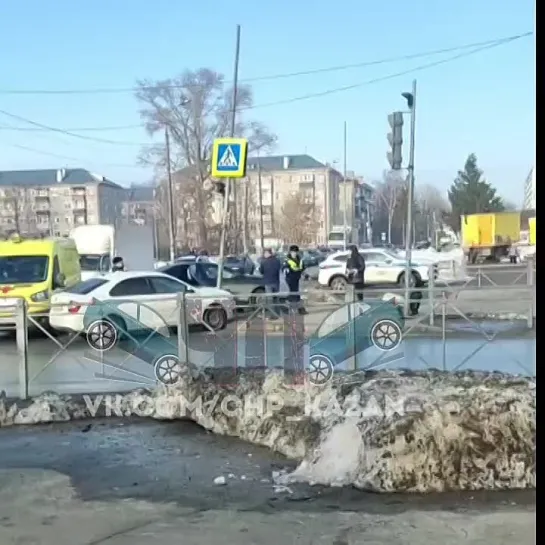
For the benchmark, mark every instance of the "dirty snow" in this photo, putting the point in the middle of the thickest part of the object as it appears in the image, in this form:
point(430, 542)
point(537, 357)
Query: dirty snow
point(383, 431)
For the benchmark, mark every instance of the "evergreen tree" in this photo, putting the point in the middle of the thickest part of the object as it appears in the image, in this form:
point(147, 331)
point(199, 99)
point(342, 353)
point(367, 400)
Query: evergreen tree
point(472, 194)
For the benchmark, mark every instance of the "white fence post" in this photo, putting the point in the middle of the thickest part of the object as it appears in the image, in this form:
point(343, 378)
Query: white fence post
point(21, 334)
point(182, 329)
point(431, 294)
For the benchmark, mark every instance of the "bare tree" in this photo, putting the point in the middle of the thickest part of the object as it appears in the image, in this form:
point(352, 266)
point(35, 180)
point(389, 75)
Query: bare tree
point(195, 108)
point(299, 220)
point(388, 196)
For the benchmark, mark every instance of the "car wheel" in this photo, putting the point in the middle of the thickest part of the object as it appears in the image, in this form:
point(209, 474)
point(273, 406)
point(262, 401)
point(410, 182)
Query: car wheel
point(386, 335)
point(215, 318)
point(338, 283)
point(414, 280)
point(320, 369)
point(256, 297)
point(102, 335)
point(167, 369)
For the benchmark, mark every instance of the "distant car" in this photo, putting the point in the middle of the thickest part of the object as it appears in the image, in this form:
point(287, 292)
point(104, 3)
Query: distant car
point(150, 298)
point(245, 288)
point(349, 331)
point(382, 267)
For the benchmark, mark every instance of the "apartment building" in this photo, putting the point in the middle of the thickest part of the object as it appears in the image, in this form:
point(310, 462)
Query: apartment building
point(530, 191)
point(356, 205)
point(53, 201)
point(138, 205)
point(281, 177)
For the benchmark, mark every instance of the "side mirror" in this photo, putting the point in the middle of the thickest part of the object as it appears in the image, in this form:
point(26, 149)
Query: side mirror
point(60, 280)
point(388, 262)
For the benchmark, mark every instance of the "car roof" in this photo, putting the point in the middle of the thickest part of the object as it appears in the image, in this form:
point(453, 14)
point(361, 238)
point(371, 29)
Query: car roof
point(117, 276)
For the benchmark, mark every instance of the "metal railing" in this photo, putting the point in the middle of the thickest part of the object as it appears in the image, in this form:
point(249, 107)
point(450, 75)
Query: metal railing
point(42, 359)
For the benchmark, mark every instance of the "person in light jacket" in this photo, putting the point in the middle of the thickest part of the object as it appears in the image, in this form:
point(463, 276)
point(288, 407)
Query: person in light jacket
point(355, 267)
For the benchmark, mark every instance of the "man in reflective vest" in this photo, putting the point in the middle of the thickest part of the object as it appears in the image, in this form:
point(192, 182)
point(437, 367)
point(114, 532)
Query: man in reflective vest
point(293, 270)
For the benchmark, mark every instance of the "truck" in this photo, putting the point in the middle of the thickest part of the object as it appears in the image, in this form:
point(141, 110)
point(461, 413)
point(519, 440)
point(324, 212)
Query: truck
point(97, 246)
point(532, 229)
point(490, 235)
point(339, 236)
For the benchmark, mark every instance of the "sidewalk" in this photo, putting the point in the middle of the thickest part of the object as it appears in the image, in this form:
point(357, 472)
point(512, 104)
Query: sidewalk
point(40, 507)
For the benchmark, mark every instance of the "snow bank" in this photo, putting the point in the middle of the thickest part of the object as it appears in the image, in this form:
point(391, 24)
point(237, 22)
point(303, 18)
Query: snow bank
point(381, 431)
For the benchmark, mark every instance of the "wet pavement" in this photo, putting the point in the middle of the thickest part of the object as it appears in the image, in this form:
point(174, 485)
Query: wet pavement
point(140, 482)
point(112, 460)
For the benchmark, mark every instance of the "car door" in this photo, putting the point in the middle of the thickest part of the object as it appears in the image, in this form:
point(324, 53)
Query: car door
point(166, 292)
point(374, 267)
point(134, 298)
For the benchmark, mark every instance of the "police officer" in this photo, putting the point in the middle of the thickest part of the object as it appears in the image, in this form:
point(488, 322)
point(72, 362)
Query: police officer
point(293, 270)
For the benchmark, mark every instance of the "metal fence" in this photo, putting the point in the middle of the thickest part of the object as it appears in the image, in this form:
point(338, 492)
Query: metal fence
point(149, 342)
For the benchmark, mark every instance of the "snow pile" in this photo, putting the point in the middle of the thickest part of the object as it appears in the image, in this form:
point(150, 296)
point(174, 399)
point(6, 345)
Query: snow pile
point(382, 431)
point(451, 264)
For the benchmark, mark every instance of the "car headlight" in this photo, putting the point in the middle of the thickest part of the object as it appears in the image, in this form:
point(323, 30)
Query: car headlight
point(40, 297)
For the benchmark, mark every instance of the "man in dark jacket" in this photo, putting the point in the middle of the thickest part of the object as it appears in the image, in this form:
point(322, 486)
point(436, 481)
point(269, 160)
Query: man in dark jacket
point(293, 268)
point(269, 268)
point(355, 267)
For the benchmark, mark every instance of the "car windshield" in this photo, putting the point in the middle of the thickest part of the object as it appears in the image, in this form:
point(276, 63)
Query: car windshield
point(208, 273)
point(94, 262)
point(23, 269)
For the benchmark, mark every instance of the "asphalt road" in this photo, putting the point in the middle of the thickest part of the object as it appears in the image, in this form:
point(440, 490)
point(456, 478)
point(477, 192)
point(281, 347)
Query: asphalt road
point(121, 482)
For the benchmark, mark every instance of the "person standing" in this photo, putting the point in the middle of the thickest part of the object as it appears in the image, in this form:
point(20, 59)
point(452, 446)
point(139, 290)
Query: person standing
point(355, 267)
point(293, 270)
point(513, 254)
point(270, 268)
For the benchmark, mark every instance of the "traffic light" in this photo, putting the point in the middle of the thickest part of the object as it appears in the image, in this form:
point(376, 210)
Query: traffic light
point(395, 138)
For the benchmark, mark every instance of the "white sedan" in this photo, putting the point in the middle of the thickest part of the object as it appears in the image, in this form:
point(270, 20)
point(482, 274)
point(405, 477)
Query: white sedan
point(381, 267)
point(149, 297)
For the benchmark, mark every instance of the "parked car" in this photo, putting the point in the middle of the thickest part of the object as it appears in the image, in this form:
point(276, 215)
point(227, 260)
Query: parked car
point(246, 288)
point(150, 298)
point(349, 331)
point(382, 267)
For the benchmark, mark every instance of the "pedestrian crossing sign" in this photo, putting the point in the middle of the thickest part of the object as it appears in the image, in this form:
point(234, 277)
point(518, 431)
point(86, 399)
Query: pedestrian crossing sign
point(229, 157)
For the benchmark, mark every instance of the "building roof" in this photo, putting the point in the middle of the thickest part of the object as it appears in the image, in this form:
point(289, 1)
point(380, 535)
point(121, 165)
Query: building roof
point(276, 162)
point(48, 177)
point(139, 193)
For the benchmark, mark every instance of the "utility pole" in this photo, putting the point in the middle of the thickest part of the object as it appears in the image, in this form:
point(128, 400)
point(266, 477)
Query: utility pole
point(411, 102)
point(170, 196)
point(227, 196)
point(260, 197)
point(345, 188)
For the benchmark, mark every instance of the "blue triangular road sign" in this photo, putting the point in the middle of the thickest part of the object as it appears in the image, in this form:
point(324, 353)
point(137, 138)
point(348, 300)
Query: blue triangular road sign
point(228, 159)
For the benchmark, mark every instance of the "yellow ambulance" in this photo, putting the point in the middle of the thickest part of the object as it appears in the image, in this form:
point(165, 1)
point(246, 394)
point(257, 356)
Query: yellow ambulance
point(32, 269)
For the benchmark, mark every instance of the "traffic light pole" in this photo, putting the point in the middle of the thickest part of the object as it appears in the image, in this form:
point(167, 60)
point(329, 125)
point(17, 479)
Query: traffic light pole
point(410, 199)
point(170, 197)
point(229, 181)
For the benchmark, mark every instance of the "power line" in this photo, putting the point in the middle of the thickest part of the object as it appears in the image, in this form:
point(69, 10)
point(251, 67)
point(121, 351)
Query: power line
point(389, 76)
point(69, 133)
point(78, 129)
point(327, 92)
point(271, 77)
point(66, 157)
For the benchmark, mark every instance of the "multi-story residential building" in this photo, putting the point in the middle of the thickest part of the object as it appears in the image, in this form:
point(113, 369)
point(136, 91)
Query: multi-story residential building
point(356, 206)
point(53, 201)
point(138, 205)
point(280, 178)
point(530, 191)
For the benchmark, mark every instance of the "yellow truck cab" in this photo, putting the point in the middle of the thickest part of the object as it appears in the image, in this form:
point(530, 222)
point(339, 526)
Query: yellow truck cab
point(32, 269)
